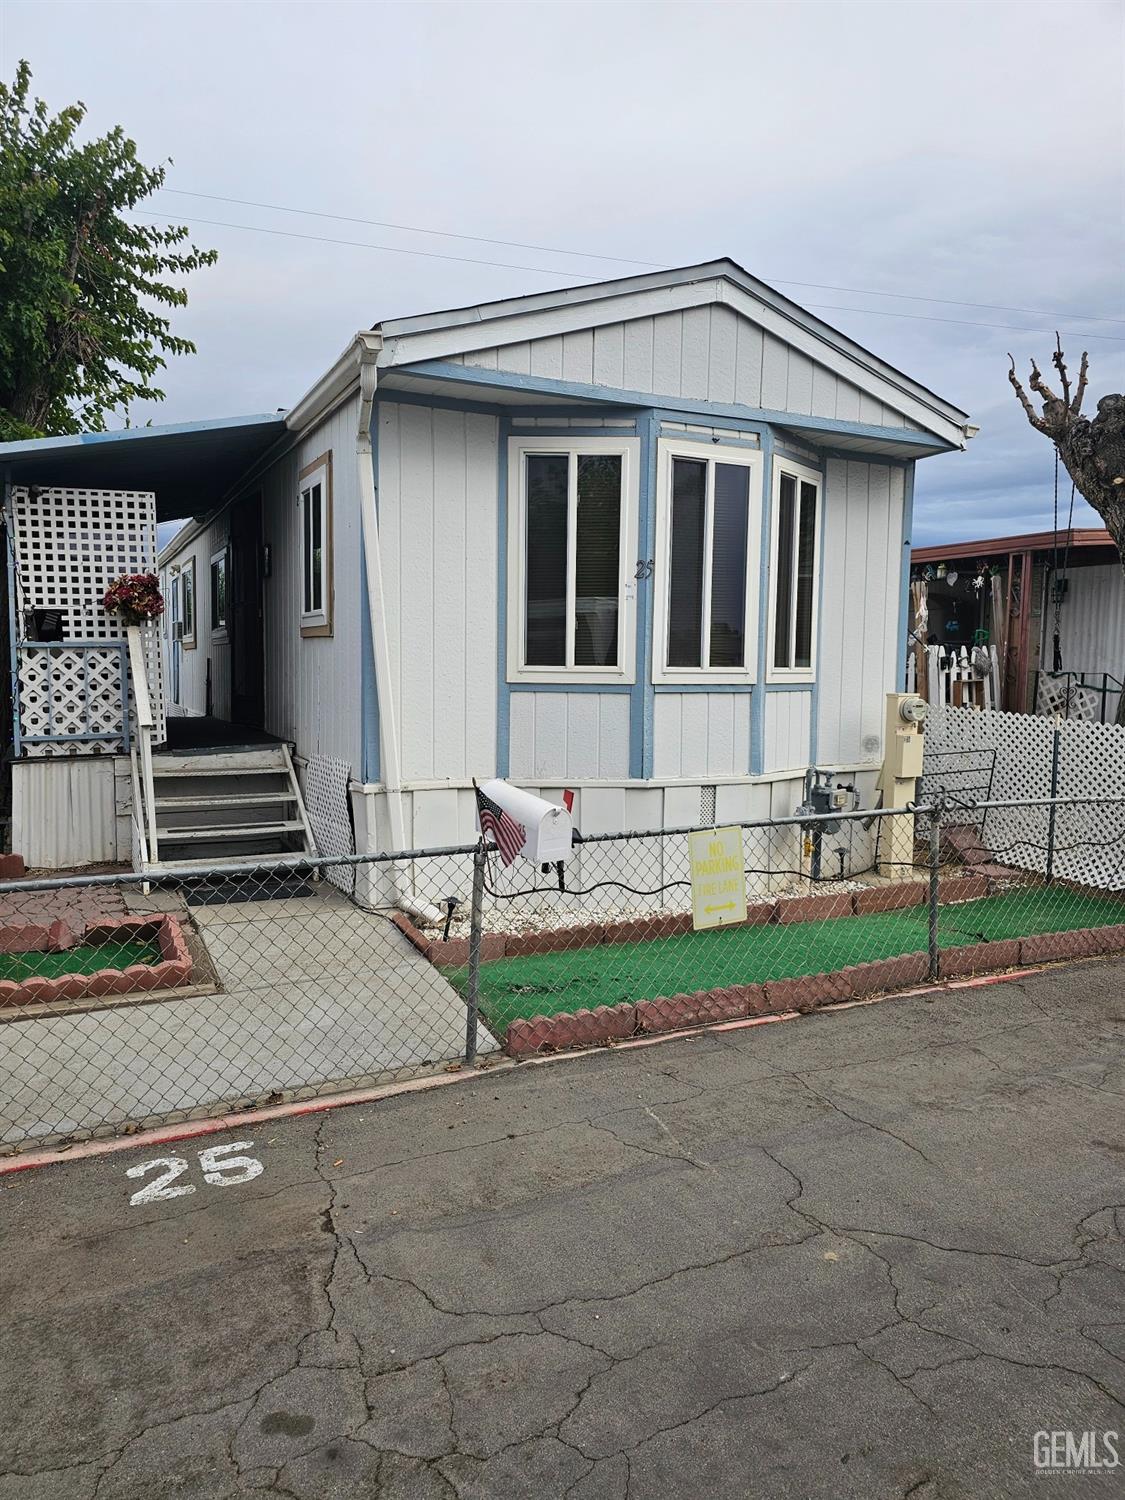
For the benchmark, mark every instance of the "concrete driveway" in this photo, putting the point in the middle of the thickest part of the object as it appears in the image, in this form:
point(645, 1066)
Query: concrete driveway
point(867, 1253)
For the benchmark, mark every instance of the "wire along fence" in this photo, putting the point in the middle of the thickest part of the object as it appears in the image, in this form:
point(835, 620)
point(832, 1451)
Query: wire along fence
point(125, 1002)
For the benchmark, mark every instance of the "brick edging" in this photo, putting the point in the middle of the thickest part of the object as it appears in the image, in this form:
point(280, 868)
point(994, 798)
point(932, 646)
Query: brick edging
point(172, 972)
point(585, 1028)
point(897, 896)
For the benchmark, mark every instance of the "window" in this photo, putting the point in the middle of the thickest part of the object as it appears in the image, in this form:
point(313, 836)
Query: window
point(572, 520)
point(219, 571)
point(794, 572)
point(187, 603)
point(707, 547)
point(314, 487)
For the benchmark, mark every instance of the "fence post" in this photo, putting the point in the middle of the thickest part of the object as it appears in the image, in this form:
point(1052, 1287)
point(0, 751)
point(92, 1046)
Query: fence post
point(1053, 810)
point(935, 864)
point(472, 997)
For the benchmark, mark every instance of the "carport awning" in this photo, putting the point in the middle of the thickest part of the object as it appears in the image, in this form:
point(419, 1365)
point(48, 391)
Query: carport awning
point(190, 466)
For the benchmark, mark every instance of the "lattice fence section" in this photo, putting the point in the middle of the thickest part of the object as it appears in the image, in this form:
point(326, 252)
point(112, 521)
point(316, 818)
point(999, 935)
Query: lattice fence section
point(68, 547)
point(1061, 695)
point(329, 814)
point(1088, 840)
point(79, 693)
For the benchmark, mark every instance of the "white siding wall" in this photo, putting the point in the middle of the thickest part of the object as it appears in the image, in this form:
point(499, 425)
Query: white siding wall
point(193, 660)
point(787, 723)
point(1092, 623)
point(313, 684)
point(438, 527)
point(703, 354)
point(860, 609)
point(574, 736)
point(701, 734)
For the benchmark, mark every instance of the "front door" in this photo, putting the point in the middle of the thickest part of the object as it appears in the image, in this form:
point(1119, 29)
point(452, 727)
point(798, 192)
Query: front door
point(245, 624)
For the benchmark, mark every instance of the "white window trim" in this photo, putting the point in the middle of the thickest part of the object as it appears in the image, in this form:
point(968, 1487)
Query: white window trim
point(318, 472)
point(748, 458)
point(625, 670)
point(219, 630)
point(186, 569)
point(805, 475)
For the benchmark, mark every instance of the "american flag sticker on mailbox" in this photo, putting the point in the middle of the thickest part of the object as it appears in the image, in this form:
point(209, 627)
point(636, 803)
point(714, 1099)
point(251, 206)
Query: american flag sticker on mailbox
point(718, 877)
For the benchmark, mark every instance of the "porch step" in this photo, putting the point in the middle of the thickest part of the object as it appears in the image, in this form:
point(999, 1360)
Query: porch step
point(159, 771)
point(216, 807)
point(247, 799)
point(232, 762)
point(229, 831)
point(281, 861)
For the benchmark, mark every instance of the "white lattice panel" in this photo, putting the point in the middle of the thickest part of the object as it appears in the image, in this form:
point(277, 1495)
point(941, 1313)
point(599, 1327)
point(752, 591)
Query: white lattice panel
point(1060, 695)
point(329, 814)
point(65, 692)
point(69, 545)
point(1089, 836)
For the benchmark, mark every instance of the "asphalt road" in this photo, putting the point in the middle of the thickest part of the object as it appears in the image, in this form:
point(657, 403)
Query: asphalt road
point(866, 1253)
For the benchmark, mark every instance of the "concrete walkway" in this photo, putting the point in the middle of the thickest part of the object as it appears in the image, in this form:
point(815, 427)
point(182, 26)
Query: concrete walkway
point(866, 1254)
point(314, 991)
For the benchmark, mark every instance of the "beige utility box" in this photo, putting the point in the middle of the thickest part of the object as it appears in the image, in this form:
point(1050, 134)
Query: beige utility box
point(904, 741)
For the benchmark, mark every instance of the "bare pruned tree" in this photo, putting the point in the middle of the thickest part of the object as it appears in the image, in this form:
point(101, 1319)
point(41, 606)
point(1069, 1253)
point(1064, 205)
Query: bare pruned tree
point(1092, 449)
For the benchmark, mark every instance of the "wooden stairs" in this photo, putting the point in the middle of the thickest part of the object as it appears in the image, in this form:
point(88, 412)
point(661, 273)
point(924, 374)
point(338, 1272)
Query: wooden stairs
point(227, 806)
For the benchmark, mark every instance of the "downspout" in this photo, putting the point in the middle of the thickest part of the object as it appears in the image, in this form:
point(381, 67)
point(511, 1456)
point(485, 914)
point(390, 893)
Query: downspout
point(368, 347)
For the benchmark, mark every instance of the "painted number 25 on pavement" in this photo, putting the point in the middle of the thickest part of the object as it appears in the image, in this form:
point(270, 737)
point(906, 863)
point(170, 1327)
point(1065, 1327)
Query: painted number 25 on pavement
point(219, 1168)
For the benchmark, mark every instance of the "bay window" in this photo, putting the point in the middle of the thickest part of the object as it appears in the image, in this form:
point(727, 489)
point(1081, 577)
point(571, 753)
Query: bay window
point(708, 540)
point(572, 524)
point(794, 572)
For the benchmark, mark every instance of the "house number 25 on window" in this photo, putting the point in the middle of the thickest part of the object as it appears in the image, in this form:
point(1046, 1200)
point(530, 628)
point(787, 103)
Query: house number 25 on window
point(219, 1168)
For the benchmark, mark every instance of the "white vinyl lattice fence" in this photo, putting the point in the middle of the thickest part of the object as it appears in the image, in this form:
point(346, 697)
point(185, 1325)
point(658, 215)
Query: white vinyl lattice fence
point(1086, 843)
point(67, 547)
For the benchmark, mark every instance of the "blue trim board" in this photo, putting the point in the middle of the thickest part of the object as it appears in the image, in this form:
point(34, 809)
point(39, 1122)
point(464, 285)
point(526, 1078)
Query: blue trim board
point(904, 575)
point(814, 706)
point(642, 708)
point(758, 699)
point(790, 687)
point(369, 692)
point(746, 688)
point(503, 691)
point(621, 688)
point(508, 380)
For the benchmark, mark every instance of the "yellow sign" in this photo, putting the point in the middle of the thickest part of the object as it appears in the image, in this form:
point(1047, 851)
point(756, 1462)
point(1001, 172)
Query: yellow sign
point(718, 879)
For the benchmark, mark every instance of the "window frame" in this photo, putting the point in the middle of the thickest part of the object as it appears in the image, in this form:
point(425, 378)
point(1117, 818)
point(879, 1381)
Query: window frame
point(802, 474)
point(317, 622)
point(219, 627)
point(519, 449)
point(186, 575)
point(670, 449)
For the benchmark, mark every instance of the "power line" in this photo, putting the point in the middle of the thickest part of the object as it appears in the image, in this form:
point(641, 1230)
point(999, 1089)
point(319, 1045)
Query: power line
point(881, 312)
point(447, 234)
point(820, 286)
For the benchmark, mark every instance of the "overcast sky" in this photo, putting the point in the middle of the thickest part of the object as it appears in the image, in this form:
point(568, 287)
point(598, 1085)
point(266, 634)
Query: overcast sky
point(941, 151)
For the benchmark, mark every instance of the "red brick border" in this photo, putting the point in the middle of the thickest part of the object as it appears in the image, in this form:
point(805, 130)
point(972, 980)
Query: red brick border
point(172, 972)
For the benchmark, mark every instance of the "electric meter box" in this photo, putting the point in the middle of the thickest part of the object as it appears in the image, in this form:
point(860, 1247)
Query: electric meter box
point(547, 825)
point(905, 744)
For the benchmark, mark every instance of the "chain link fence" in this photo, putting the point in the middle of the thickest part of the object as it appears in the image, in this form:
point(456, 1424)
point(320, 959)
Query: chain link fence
point(126, 1002)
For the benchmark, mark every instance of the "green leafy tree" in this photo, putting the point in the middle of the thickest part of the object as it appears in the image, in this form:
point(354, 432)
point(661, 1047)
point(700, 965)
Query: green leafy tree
point(82, 334)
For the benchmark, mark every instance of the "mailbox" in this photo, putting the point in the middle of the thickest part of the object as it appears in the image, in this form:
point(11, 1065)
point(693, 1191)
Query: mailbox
point(547, 825)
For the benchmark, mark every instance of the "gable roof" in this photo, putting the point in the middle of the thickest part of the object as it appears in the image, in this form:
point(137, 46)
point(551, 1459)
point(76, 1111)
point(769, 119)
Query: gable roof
point(456, 332)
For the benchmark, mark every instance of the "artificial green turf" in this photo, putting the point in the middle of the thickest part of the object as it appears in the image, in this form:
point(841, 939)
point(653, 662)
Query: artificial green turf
point(548, 983)
point(78, 960)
